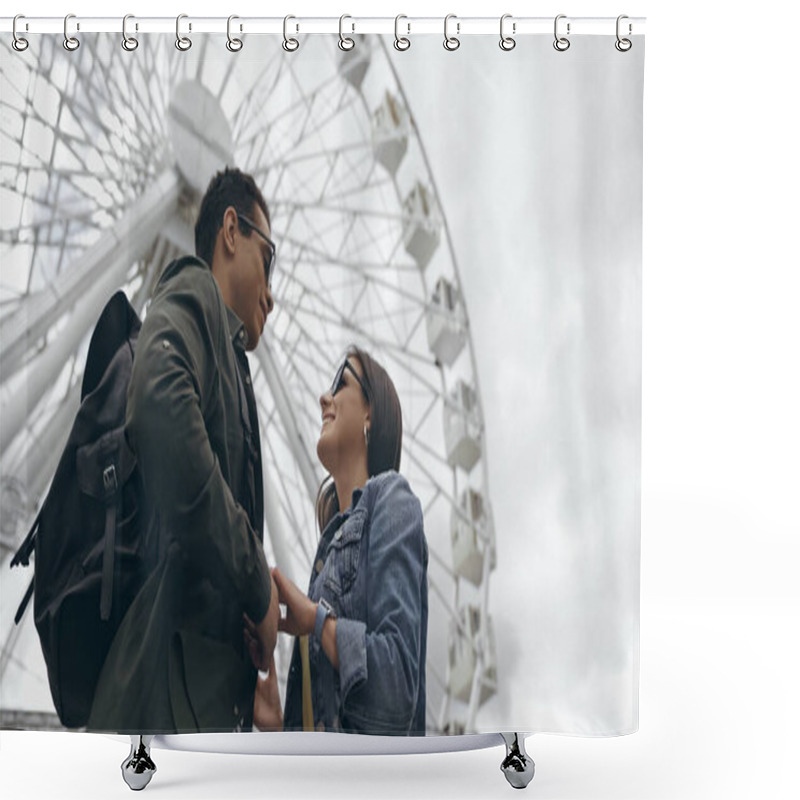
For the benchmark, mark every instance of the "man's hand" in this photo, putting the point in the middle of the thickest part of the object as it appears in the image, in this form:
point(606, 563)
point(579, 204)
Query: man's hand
point(267, 711)
point(261, 639)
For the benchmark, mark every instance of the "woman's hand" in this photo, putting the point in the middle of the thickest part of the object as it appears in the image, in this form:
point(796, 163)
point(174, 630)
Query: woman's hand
point(301, 612)
point(267, 712)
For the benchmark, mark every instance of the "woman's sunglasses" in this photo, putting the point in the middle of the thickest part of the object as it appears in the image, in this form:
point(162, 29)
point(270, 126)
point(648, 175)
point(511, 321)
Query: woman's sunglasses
point(339, 382)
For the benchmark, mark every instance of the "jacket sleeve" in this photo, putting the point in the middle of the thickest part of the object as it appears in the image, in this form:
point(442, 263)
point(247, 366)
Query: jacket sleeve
point(173, 380)
point(379, 661)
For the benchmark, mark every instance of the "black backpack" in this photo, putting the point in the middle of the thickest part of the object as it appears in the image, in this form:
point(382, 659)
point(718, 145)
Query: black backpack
point(89, 536)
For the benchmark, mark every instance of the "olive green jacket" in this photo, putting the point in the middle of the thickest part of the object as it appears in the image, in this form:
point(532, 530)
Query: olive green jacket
point(178, 662)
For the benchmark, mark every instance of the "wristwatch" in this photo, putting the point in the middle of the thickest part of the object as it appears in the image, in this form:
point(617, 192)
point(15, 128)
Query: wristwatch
point(324, 610)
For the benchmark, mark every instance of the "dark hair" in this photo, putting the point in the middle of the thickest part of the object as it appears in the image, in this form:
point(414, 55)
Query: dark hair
point(229, 187)
point(385, 431)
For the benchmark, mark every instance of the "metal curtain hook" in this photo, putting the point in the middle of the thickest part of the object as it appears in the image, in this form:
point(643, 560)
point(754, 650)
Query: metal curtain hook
point(183, 43)
point(234, 45)
point(451, 42)
point(19, 44)
point(561, 43)
point(129, 43)
point(623, 45)
point(401, 43)
point(70, 42)
point(507, 42)
point(345, 42)
point(289, 45)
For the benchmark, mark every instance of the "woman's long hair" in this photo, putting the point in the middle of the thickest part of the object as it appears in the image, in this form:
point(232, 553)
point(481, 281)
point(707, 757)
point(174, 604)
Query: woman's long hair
point(385, 431)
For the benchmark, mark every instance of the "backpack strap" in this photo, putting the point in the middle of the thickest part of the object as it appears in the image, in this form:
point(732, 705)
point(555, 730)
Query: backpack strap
point(24, 604)
point(110, 487)
point(23, 554)
point(23, 557)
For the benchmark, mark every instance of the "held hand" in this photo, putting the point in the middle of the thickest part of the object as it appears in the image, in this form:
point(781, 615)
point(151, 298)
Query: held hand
point(301, 612)
point(260, 639)
point(267, 712)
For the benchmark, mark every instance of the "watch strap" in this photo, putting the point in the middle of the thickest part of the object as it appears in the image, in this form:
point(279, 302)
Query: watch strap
point(324, 611)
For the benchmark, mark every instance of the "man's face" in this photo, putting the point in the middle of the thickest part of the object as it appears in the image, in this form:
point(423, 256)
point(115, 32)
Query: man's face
point(251, 296)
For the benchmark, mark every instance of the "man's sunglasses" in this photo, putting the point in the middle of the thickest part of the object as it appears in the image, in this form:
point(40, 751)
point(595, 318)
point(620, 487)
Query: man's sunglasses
point(339, 381)
point(269, 263)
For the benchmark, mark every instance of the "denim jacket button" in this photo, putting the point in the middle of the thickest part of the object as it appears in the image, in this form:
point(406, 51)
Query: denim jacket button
point(338, 535)
point(319, 565)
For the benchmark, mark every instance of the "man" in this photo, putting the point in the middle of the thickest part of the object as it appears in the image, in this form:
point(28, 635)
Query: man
point(179, 662)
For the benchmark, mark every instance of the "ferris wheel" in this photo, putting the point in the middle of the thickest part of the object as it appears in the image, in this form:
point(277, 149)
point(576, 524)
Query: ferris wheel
point(105, 155)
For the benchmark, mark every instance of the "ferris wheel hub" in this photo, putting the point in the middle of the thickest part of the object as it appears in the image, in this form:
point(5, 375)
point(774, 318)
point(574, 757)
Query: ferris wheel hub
point(200, 134)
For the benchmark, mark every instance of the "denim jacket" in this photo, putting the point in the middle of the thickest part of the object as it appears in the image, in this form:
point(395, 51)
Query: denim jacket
point(371, 565)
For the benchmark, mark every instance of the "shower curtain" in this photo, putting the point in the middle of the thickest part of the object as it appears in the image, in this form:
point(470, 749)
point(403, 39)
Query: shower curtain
point(472, 218)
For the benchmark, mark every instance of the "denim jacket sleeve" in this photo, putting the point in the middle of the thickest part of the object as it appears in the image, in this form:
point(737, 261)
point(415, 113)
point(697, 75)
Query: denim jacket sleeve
point(379, 661)
point(174, 374)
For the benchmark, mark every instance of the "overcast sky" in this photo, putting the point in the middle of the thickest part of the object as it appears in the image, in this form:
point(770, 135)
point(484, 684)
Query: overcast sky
point(537, 157)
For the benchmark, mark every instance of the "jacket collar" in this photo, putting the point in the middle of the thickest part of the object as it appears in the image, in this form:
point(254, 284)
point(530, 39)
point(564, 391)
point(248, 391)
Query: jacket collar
point(357, 492)
point(235, 325)
point(237, 330)
point(174, 267)
point(338, 519)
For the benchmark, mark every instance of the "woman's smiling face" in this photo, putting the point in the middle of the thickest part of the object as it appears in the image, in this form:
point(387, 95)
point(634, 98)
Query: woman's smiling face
point(345, 411)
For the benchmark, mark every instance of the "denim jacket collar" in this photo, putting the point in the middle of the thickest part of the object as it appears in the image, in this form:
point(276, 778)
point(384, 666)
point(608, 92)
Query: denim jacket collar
point(357, 493)
point(338, 519)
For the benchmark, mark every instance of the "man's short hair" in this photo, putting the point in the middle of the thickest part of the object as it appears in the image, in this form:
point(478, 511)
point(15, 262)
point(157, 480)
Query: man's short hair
point(229, 187)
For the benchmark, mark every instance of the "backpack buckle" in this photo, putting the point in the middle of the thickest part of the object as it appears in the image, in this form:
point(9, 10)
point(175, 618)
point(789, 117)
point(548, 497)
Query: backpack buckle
point(110, 480)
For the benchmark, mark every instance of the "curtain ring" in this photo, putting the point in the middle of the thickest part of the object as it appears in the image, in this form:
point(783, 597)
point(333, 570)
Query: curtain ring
point(129, 43)
point(623, 45)
point(289, 45)
point(345, 42)
point(401, 43)
point(234, 45)
point(451, 42)
point(183, 43)
point(561, 43)
point(70, 42)
point(507, 42)
point(19, 44)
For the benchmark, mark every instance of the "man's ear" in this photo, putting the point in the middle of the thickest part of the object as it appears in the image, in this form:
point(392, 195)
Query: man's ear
point(229, 230)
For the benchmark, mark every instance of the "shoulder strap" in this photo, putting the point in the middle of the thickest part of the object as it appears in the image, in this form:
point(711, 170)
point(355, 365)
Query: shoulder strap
point(23, 557)
point(111, 499)
point(23, 554)
point(25, 600)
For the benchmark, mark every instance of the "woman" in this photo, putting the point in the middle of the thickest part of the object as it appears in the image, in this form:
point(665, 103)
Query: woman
point(366, 613)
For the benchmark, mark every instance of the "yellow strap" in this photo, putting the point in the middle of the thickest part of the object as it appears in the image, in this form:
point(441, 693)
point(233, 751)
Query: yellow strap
point(308, 710)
